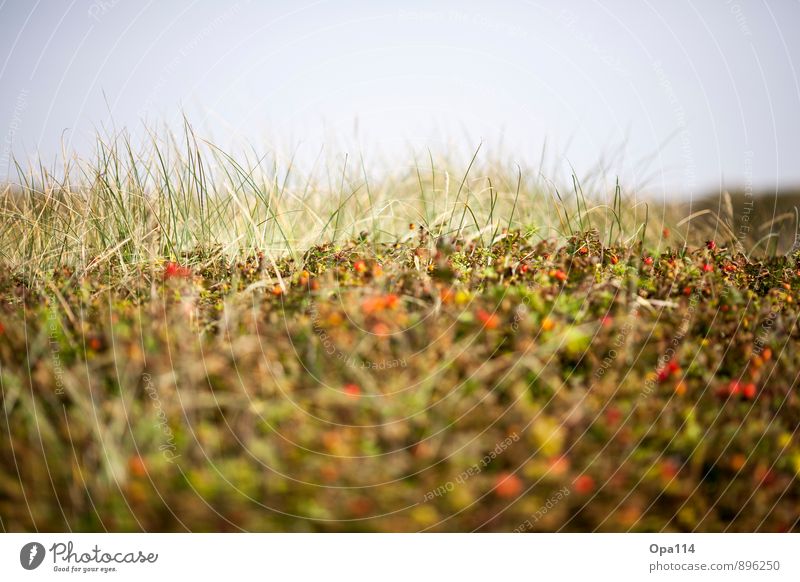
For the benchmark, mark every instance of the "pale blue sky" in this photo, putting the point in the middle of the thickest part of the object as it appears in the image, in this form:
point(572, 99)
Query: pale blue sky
point(707, 91)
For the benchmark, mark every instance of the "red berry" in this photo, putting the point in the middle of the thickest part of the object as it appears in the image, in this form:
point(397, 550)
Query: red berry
point(749, 391)
point(648, 261)
point(360, 506)
point(613, 415)
point(708, 267)
point(584, 484)
point(764, 475)
point(352, 390)
point(711, 245)
point(734, 387)
point(173, 269)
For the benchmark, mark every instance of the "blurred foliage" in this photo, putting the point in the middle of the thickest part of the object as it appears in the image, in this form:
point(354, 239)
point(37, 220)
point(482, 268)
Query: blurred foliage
point(434, 383)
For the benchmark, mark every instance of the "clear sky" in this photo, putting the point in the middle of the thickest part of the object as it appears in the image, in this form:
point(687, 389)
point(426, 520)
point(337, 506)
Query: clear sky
point(678, 97)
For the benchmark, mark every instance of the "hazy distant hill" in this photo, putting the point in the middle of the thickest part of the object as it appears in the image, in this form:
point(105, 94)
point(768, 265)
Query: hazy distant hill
point(763, 218)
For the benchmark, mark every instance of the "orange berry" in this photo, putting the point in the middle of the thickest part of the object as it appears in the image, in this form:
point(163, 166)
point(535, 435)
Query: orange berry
point(558, 465)
point(390, 301)
point(489, 320)
point(136, 466)
point(360, 267)
point(422, 450)
point(380, 329)
point(332, 440)
point(329, 473)
point(360, 506)
point(446, 295)
point(737, 461)
point(508, 485)
point(372, 305)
